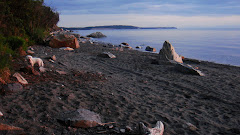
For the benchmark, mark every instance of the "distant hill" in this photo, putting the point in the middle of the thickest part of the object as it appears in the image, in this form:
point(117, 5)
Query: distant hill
point(114, 27)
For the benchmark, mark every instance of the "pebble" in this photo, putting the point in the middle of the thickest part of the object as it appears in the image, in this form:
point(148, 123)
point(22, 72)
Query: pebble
point(54, 58)
point(51, 60)
point(111, 126)
point(191, 126)
point(128, 128)
point(122, 130)
point(116, 130)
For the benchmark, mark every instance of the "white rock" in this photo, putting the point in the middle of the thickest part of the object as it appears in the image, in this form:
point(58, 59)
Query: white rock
point(30, 52)
point(21, 79)
point(122, 130)
point(191, 126)
point(168, 53)
point(66, 48)
point(107, 55)
point(1, 114)
point(51, 60)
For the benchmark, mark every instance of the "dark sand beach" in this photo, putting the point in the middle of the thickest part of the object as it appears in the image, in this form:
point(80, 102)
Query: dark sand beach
point(129, 89)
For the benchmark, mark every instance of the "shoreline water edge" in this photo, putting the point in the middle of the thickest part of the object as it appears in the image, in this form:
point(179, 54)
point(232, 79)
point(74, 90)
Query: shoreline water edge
point(219, 46)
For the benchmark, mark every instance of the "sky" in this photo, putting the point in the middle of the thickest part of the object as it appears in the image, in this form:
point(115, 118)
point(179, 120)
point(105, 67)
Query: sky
point(148, 13)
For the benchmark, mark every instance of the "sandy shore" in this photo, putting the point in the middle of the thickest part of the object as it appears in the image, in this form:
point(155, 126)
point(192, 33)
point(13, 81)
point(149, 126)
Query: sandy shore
point(126, 90)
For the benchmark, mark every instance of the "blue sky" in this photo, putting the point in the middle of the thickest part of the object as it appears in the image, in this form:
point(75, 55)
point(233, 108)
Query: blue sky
point(178, 13)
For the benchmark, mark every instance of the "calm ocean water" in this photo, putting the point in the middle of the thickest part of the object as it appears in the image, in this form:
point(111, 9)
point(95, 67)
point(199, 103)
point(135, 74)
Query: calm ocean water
point(220, 46)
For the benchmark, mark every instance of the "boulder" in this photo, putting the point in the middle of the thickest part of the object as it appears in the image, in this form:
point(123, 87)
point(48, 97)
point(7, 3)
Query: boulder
point(96, 35)
point(185, 68)
point(64, 40)
point(107, 55)
point(138, 47)
point(81, 118)
point(12, 88)
point(168, 53)
point(124, 43)
point(151, 49)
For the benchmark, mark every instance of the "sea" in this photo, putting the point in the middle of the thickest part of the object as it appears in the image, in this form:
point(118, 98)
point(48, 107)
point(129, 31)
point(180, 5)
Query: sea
point(214, 45)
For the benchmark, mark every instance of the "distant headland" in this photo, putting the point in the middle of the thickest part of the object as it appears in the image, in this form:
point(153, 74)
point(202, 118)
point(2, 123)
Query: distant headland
point(114, 27)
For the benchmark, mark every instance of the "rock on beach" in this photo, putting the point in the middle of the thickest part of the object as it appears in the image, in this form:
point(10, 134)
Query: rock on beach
point(64, 40)
point(96, 35)
point(168, 53)
point(150, 49)
point(81, 118)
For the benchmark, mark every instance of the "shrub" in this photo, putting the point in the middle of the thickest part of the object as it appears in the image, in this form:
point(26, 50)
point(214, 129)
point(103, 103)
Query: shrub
point(38, 35)
point(15, 42)
point(5, 54)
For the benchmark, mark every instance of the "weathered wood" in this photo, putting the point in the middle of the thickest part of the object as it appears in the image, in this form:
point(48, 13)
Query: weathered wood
point(157, 130)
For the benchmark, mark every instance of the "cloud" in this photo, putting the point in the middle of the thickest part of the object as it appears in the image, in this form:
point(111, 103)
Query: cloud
point(149, 20)
point(179, 13)
point(155, 7)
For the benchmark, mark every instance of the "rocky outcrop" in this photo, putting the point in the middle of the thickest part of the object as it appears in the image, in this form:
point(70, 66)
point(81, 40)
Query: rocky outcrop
point(151, 49)
point(80, 118)
point(168, 53)
point(96, 35)
point(64, 40)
